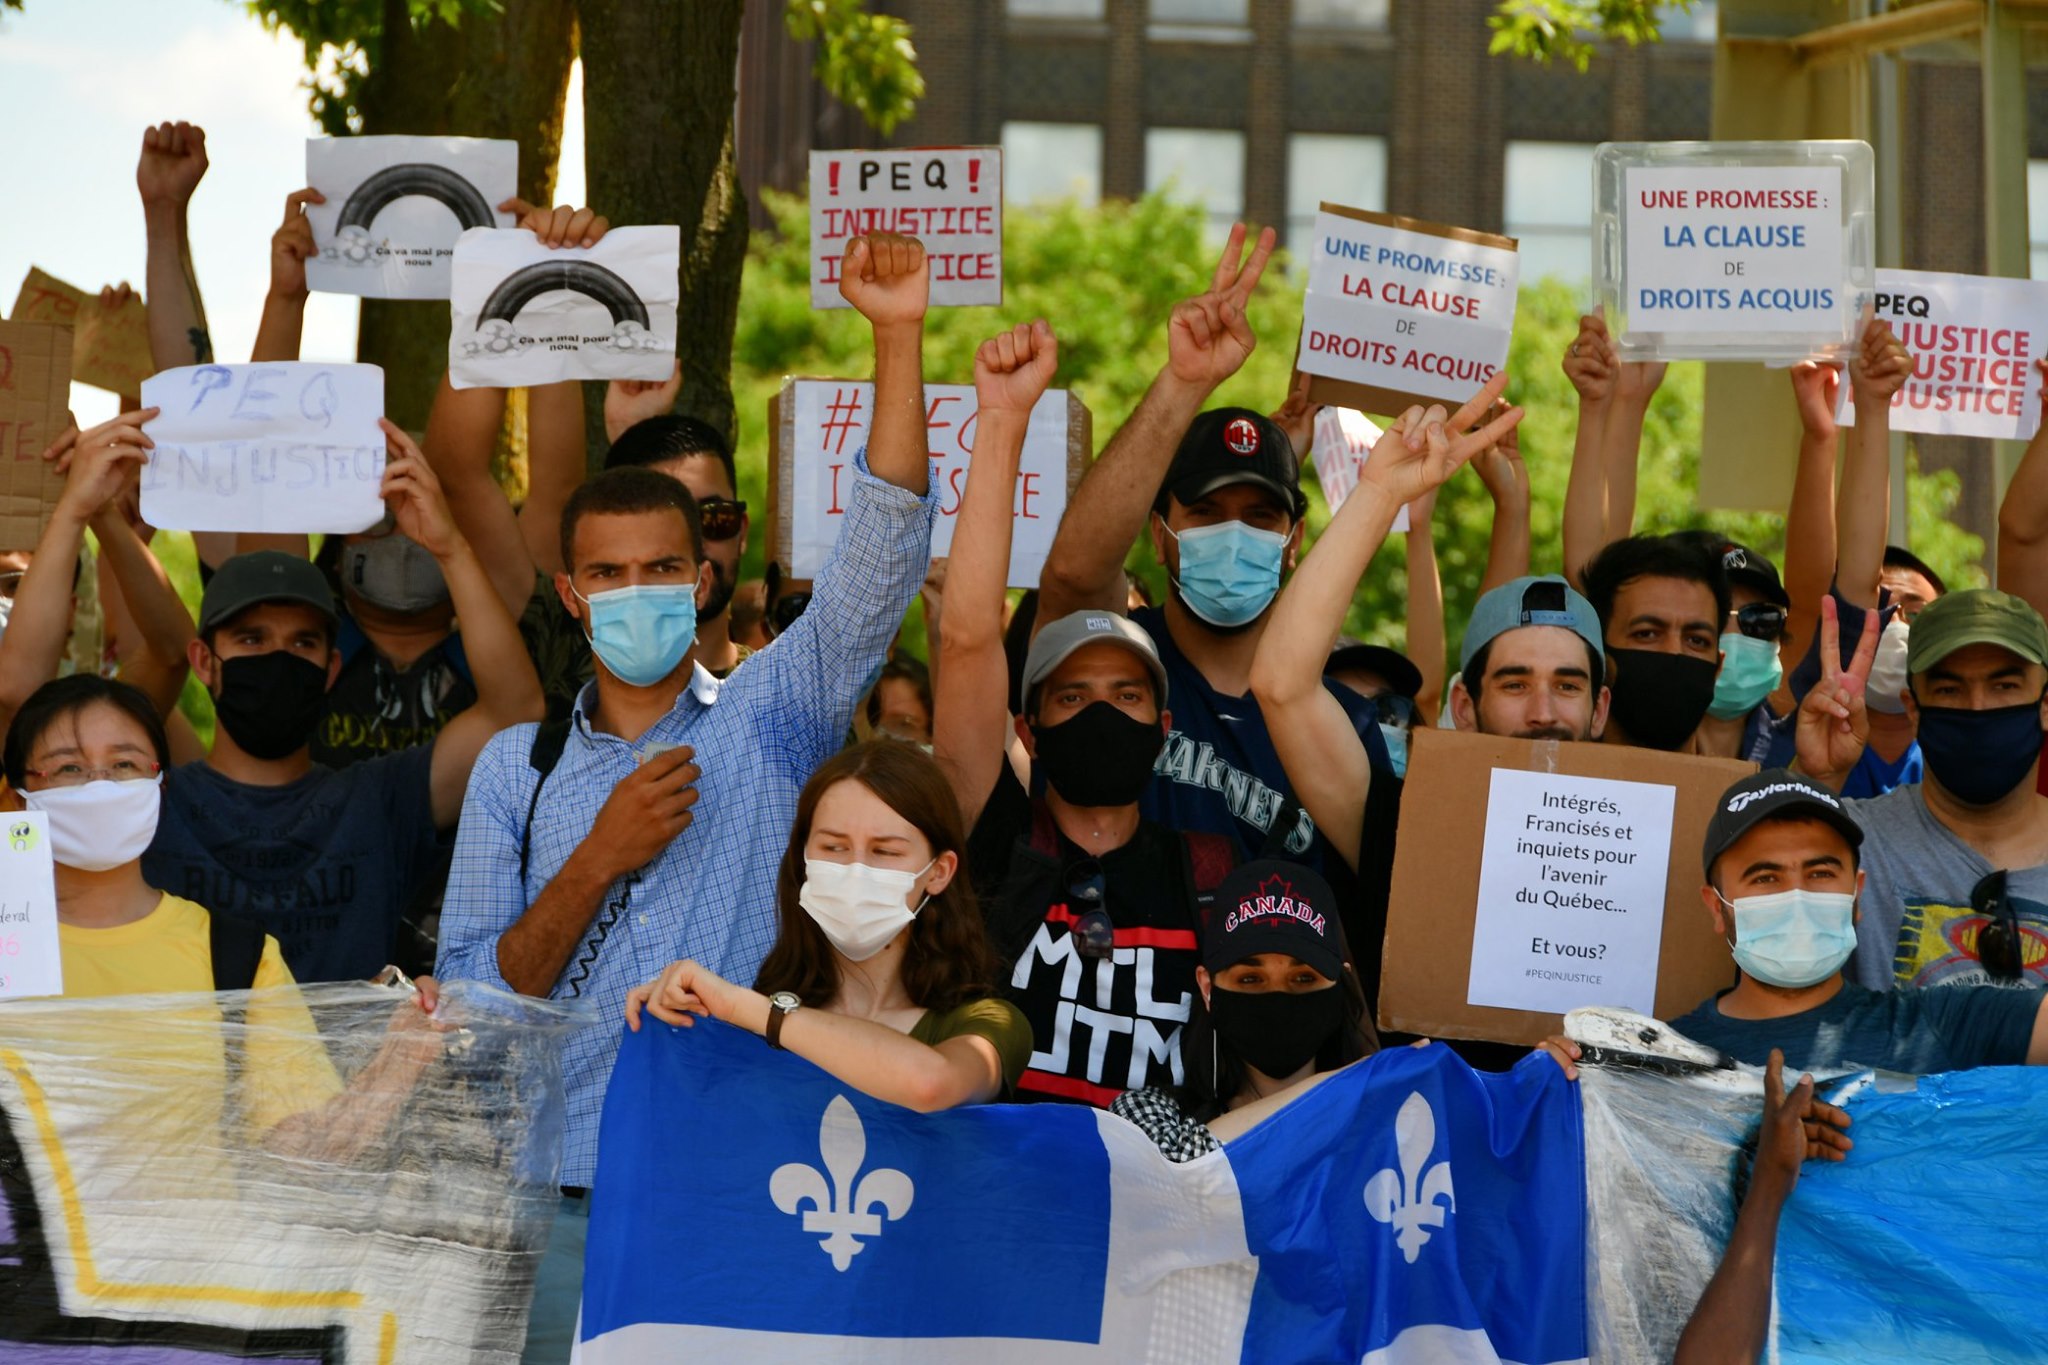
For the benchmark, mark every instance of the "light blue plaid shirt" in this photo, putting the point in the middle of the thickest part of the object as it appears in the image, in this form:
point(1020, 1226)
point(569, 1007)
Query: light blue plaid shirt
point(710, 895)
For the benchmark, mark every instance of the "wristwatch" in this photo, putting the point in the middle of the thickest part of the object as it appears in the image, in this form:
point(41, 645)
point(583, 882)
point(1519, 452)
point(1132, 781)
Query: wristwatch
point(781, 1005)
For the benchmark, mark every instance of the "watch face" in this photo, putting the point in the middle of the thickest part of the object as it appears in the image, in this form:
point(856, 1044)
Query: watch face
point(784, 1001)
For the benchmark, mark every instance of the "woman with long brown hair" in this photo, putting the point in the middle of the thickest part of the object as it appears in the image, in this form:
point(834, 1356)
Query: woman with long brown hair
point(882, 973)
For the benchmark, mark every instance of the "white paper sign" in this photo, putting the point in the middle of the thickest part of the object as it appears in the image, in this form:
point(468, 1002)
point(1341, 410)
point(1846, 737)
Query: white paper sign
point(1409, 312)
point(832, 419)
point(1734, 248)
point(528, 314)
point(292, 446)
point(949, 198)
point(1974, 341)
point(395, 206)
point(30, 962)
point(1343, 443)
point(1571, 893)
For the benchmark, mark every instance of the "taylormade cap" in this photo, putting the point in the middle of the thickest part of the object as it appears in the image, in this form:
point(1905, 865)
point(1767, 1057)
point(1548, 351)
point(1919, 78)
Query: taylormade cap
point(1543, 600)
point(1270, 906)
point(263, 576)
point(1235, 445)
point(1975, 616)
point(1053, 645)
point(1772, 792)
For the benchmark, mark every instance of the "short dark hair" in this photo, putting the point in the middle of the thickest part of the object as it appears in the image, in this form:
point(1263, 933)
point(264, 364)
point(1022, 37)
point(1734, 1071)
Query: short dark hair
point(908, 670)
point(1474, 675)
point(624, 490)
point(1899, 557)
point(62, 697)
point(658, 440)
point(1633, 557)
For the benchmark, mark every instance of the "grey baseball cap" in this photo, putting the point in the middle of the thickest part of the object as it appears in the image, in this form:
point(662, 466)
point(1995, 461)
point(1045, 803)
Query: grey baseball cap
point(264, 576)
point(1541, 600)
point(1052, 646)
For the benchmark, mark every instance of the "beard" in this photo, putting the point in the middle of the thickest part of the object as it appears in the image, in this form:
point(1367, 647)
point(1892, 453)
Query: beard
point(722, 589)
point(1559, 732)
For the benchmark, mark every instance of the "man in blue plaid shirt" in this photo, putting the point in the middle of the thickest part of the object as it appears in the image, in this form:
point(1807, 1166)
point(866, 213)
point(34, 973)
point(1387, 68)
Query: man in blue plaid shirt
point(658, 833)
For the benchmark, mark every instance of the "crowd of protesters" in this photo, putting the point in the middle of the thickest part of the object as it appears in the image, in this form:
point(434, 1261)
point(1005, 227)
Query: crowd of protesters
point(1091, 850)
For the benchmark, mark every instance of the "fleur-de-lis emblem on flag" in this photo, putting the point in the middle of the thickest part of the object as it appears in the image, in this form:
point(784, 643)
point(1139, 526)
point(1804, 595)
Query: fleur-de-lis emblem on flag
point(844, 1209)
point(1407, 1200)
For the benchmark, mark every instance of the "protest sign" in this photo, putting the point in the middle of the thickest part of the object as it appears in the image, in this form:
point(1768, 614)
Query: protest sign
point(1974, 341)
point(1458, 932)
point(816, 427)
point(395, 206)
point(1343, 442)
point(527, 314)
point(30, 963)
point(949, 198)
point(1737, 250)
point(285, 447)
point(109, 346)
point(1400, 311)
point(35, 403)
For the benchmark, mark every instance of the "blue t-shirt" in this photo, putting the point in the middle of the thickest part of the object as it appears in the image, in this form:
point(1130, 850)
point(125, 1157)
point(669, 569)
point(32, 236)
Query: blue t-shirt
point(325, 864)
point(1872, 776)
point(1918, 1031)
point(1218, 773)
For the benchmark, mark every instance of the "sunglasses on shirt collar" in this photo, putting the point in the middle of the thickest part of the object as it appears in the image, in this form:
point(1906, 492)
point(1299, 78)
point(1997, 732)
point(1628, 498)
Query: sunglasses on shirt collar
point(1087, 901)
point(2000, 947)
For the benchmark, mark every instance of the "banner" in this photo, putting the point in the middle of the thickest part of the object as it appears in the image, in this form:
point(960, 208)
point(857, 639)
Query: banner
point(276, 1175)
point(395, 206)
point(35, 405)
point(523, 313)
point(1974, 341)
point(949, 198)
point(30, 963)
point(1408, 1209)
point(1344, 438)
point(109, 346)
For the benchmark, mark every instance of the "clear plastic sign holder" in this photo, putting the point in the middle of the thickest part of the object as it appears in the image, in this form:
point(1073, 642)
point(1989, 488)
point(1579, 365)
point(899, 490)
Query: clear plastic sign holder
point(1741, 266)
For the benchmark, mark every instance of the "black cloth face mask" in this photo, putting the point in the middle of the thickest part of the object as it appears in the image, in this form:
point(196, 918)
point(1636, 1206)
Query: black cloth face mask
point(269, 703)
point(1278, 1032)
point(1980, 756)
point(1100, 756)
point(1660, 699)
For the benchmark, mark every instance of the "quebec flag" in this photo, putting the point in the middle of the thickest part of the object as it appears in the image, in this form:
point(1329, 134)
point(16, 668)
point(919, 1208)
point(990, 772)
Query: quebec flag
point(748, 1206)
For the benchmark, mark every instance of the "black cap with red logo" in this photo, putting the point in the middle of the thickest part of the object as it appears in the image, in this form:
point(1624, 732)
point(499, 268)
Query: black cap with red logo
point(1235, 445)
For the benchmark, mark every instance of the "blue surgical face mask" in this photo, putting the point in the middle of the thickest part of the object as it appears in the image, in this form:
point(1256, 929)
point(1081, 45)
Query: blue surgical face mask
point(1229, 572)
point(641, 633)
point(1750, 671)
point(1793, 938)
point(1397, 747)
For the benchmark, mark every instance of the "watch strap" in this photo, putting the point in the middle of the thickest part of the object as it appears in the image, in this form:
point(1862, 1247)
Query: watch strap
point(776, 1014)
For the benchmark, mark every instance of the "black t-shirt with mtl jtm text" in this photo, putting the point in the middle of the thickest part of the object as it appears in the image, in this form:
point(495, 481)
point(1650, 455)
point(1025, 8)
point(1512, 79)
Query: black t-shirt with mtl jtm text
point(1099, 1026)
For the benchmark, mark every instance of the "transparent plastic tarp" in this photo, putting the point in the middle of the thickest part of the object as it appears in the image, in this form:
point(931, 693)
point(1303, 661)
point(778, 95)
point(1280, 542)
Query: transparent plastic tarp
point(301, 1174)
point(1734, 250)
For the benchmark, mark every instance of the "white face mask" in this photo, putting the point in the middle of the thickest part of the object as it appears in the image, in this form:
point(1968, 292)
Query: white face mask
point(102, 823)
point(1888, 669)
point(860, 908)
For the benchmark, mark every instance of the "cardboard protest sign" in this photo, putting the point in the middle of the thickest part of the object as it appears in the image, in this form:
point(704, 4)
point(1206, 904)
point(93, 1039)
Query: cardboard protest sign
point(526, 314)
point(35, 405)
point(1974, 342)
point(1561, 875)
point(817, 426)
point(395, 206)
point(1344, 439)
point(949, 198)
point(1729, 251)
point(30, 963)
point(1400, 311)
point(276, 447)
point(109, 346)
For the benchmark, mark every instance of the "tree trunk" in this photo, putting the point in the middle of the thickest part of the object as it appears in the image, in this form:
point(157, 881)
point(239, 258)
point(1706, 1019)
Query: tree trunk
point(501, 75)
point(658, 83)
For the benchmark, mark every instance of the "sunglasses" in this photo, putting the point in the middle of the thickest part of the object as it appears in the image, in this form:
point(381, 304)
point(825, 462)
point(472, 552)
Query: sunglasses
point(720, 517)
point(1395, 709)
point(783, 615)
point(1093, 934)
point(1761, 621)
point(2000, 947)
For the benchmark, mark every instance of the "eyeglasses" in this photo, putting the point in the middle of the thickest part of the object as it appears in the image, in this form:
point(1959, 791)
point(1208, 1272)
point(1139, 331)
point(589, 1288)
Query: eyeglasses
point(720, 517)
point(1761, 621)
point(77, 774)
point(2000, 947)
point(786, 609)
point(1093, 934)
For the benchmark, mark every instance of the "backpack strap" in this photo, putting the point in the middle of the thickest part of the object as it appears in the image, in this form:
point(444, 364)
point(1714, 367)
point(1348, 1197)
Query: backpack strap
point(236, 947)
point(549, 739)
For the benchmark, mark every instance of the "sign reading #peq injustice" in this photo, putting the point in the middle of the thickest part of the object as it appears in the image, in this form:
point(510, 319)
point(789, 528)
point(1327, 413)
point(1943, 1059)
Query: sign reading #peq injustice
point(1733, 250)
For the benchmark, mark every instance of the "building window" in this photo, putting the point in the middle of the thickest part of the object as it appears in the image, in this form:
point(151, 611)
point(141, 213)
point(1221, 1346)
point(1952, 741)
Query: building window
point(1356, 14)
point(1333, 167)
point(1054, 9)
point(1550, 208)
point(1043, 161)
point(1202, 166)
point(1696, 25)
point(1236, 12)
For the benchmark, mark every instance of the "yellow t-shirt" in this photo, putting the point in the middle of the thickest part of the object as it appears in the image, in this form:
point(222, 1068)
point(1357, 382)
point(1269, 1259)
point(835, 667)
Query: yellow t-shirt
point(286, 1069)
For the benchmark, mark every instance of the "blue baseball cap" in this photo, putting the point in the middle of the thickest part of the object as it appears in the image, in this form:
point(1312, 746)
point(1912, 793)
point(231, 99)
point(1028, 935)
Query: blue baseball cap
point(1539, 600)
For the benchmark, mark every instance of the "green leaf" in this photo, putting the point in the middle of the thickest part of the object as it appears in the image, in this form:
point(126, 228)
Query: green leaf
point(863, 60)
